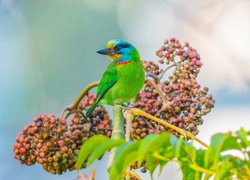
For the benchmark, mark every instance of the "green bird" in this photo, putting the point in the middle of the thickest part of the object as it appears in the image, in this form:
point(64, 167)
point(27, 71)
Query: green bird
point(123, 78)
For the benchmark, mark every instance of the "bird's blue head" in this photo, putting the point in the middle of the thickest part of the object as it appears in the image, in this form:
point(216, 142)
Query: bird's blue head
point(120, 51)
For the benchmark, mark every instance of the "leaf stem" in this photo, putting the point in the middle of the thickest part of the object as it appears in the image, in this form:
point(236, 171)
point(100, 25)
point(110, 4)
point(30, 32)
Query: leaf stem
point(157, 155)
point(200, 169)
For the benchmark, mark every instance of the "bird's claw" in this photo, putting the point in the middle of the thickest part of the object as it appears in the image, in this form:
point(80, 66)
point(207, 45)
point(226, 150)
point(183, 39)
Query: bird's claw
point(126, 105)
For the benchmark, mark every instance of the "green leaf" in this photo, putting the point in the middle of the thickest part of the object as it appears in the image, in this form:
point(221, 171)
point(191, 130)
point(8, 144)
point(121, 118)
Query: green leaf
point(171, 148)
point(217, 142)
point(242, 134)
point(230, 143)
point(156, 144)
point(191, 152)
point(162, 165)
point(87, 148)
point(158, 150)
point(149, 144)
point(180, 152)
point(152, 163)
point(168, 155)
point(188, 173)
point(102, 148)
point(200, 155)
point(223, 172)
point(191, 157)
point(124, 156)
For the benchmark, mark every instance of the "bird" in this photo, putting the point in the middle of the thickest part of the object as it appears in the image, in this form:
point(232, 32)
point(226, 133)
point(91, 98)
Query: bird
point(123, 78)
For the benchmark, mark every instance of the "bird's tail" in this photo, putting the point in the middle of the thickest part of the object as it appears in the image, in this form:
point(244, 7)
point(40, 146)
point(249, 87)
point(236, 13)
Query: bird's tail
point(91, 109)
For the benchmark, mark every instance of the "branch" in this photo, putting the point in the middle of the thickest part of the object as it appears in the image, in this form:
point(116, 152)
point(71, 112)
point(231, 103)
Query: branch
point(74, 107)
point(165, 70)
point(137, 112)
point(158, 78)
point(83, 93)
point(166, 104)
point(159, 91)
point(118, 123)
point(118, 129)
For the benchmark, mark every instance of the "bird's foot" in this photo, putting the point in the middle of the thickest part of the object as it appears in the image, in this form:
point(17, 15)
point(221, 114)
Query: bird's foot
point(127, 105)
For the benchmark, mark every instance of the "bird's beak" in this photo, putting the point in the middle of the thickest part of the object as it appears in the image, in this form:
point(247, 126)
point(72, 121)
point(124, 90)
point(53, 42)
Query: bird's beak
point(106, 51)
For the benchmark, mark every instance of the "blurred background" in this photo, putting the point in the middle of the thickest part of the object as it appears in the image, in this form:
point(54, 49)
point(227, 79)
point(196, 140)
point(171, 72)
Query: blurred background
point(48, 54)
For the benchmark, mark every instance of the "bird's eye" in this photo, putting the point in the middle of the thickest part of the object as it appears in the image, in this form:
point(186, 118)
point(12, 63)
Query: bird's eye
point(117, 48)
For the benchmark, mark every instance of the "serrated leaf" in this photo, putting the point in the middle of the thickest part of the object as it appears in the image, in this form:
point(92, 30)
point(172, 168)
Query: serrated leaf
point(87, 148)
point(102, 148)
point(122, 157)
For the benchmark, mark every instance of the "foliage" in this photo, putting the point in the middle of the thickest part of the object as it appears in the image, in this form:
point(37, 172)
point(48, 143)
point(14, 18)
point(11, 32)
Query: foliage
point(218, 161)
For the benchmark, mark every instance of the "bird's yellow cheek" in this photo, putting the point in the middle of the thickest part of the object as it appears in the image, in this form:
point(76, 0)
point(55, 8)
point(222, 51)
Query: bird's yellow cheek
point(114, 57)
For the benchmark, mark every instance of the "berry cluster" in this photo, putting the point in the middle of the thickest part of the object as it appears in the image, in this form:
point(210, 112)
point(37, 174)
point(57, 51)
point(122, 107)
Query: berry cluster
point(100, 121)
point(47, 142)
point(54, 143)
point(178, 99)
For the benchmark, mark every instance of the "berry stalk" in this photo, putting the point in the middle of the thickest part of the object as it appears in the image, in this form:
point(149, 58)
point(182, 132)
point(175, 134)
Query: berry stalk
point(74, 107)
point(137, 112)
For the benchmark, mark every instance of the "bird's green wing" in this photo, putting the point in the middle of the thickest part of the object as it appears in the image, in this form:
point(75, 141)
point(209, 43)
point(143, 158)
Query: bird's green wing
point(109, 78)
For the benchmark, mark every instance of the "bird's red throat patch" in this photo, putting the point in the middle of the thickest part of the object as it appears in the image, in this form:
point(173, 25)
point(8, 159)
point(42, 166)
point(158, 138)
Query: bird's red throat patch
point(122, 63)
